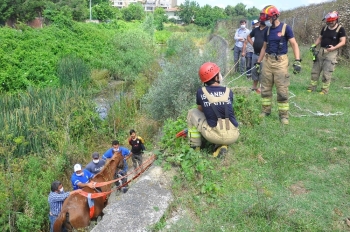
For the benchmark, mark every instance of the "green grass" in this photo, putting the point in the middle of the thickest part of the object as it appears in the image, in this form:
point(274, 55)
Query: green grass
point(279, 178)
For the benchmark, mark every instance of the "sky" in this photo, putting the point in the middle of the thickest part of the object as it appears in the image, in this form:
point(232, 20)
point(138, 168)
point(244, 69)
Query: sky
point(280, 4)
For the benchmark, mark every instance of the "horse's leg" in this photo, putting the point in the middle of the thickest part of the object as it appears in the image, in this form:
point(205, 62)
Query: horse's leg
point(67, 227)
point(80, 216)
point(57, 226)
point(99, 206)
point(105, 203)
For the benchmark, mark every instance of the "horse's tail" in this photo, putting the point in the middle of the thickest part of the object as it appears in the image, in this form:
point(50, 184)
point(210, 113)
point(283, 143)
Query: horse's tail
point(57, 226)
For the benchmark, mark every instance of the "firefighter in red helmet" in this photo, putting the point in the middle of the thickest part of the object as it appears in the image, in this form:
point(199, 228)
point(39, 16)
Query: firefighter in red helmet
point(214, 118)
point(274, 56)
point(331, 38)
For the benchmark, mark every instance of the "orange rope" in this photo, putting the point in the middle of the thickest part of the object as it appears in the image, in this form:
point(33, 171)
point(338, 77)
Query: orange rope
point(145, 165)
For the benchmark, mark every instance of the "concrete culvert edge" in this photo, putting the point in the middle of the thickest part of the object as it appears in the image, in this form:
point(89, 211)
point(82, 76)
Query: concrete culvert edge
point(141, 207)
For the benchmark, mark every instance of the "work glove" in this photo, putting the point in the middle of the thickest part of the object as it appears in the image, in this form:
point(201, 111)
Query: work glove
point(257, 67)
point(297, 66)
point(313, 48)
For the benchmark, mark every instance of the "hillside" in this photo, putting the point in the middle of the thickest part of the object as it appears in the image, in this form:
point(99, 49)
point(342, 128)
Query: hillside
point(305, 21)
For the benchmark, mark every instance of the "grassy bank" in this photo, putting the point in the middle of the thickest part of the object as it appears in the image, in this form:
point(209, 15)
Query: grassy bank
point(275, 178)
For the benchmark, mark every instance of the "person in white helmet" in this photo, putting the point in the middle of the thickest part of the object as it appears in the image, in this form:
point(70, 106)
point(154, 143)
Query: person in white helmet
point(81, 178)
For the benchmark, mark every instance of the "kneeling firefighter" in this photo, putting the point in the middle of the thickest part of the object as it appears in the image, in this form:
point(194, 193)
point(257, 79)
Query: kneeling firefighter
point(214, 117)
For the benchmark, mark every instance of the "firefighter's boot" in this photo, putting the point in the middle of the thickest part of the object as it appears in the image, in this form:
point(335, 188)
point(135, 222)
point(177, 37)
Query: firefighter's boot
point(283, 114)
point(312, 87)
point(220, 151)
point(266, 111)
point(325, 89)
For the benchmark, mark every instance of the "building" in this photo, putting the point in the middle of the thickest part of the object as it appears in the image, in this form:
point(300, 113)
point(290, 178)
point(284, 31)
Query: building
point(172, 13)
point(149, 5)
point(124, 3)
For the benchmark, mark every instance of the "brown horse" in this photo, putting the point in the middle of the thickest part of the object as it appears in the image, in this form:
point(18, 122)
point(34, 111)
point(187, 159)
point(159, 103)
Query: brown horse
point(75, 211)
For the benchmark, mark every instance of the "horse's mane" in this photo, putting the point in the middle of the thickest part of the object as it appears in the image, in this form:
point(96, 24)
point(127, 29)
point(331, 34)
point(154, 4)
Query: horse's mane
point(108, 163)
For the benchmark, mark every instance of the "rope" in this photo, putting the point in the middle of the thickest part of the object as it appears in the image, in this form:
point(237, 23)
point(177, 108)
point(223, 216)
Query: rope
point(232, 68)
point(317, 113)
point(145, 165)
point(241, 75)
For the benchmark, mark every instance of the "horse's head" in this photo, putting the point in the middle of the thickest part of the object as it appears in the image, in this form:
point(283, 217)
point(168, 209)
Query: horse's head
point(110, 168)
point(118, 159)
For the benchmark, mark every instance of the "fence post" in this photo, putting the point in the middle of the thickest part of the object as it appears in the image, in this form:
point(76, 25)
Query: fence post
point(306, 21)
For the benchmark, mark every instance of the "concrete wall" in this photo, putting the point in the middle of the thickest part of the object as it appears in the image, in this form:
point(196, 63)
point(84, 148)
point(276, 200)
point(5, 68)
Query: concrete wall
point(35, 23)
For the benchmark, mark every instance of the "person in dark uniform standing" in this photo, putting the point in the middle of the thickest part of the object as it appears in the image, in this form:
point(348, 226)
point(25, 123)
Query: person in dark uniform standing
point(332, 37)
point(256, 38)
point(275, 69)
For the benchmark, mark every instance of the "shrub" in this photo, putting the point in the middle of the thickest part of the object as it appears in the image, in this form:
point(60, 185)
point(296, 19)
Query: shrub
point(193, 165)
point(134, 51)
point(100, 77)
point(133, 12)
point(148, 25)
point(30, 57)
point(174, 89)
point(162, 36)
point(175, 86)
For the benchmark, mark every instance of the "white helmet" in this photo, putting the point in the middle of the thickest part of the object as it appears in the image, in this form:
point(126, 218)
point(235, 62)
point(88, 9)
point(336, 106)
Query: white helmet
point(254, 21)
point(77, 167)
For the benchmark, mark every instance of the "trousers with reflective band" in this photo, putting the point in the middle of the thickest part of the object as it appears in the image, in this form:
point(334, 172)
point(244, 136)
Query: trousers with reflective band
point(196, 120)
point(325, 63)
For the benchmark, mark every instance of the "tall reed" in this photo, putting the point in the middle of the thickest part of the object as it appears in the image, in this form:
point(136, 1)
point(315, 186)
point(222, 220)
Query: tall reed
point(39, 118)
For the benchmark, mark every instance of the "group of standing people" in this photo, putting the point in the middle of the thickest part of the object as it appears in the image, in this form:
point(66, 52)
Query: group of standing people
point(214, 117)
point(269, 39)
point(245, 48)
point(81, 177)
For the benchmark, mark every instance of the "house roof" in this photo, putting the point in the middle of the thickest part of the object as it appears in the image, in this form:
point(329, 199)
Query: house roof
point(172, 9)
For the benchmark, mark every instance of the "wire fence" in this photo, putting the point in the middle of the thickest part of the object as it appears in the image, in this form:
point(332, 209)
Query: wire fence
point(221, 51)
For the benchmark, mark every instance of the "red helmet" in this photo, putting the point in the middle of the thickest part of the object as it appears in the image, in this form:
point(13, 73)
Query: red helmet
point(268, 12)
point(207, 71)
point(331, 16)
